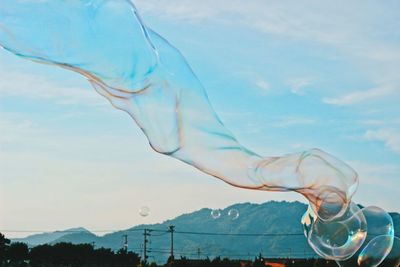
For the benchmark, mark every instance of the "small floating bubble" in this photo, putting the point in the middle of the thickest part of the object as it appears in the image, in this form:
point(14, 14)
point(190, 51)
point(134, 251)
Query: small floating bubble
point(144, 211)
point(233, 214)
point(215, 214)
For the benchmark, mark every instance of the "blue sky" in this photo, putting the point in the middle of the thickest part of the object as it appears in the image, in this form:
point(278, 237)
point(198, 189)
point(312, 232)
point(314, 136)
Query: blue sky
point(283, 77)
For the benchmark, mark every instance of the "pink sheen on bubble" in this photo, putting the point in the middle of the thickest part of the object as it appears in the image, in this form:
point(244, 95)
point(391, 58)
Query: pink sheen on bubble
point(141, 73)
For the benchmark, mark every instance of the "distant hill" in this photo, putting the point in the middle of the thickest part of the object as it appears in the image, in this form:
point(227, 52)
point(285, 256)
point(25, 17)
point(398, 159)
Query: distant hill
point(269, 218)
point(43, 238)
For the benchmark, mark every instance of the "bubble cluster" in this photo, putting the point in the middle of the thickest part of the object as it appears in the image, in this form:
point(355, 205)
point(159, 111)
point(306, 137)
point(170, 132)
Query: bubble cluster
point(337, 239)
point(378, 242)
point(360, 237)
point(141, 73)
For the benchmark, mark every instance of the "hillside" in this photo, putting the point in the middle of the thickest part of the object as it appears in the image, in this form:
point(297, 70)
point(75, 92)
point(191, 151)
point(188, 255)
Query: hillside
point(43, 238)
point(269, 218)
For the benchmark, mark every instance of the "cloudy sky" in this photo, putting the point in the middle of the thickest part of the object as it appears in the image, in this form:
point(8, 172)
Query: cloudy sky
point(283, 76)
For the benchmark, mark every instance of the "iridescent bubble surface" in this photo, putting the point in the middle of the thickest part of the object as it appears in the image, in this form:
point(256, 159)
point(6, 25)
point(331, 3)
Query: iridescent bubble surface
point(393, 259)
point(337, 239)
point(139, 72)
point(378, 241)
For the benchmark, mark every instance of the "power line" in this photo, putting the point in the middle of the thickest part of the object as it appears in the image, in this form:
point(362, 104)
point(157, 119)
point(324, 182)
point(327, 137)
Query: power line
point(254, 254)
point(153, 230)
point(157, 230)
point(238, 234)
point(68, 231)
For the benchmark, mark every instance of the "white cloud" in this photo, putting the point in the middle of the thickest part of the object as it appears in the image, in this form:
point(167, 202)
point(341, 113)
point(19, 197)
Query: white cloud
point(31, 86)
point(377, 180)
point(374, 174)
point(390, 138)
point(54, 173)
point(297, 85)
point(325, 22)
point(180, 10)
point(293, 121)
point(356, 29)
point(360, 96)
point(381, 122)
point(263, 84)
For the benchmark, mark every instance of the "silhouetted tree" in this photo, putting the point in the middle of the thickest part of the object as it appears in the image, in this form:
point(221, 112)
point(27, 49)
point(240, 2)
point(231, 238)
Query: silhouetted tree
point(4, 243)
point(17, 254)
point(259, 261)
point(82, 255)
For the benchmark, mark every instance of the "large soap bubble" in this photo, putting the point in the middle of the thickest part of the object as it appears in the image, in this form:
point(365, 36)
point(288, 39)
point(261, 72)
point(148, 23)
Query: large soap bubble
point(337, 239)
point(393, 258)
point(378, 242)
point(142, 74)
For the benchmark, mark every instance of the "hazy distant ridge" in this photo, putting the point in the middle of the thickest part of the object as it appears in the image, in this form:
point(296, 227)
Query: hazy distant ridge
point(270, 217)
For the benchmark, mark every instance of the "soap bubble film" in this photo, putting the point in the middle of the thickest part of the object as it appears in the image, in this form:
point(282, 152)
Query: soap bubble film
point(393, 259)
point(378, 242)
point(141, 73)
point(215, 214)
point(337, 239)
point(233, 214)
point(144, 211)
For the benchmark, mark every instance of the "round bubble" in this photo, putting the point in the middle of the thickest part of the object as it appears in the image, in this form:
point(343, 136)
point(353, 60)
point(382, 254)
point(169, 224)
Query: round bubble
point(144, 211)
point(380, 237)
point(378, 242)
point(233, 214)
point(393, 259)
point(375, 251)
point(339, 238)
point(215, 214)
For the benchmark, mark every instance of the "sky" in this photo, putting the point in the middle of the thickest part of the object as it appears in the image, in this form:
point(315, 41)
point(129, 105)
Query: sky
point(283, 76)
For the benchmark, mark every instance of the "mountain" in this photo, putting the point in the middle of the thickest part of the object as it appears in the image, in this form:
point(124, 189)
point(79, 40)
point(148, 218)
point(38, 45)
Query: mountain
point(280, 219)
point(270, 217)
point(45, 238)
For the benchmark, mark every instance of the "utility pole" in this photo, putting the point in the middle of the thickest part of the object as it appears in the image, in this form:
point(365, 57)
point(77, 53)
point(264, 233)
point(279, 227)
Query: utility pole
point(145, 241)
point(172, 230)
point(198, 253)
point(125, 245)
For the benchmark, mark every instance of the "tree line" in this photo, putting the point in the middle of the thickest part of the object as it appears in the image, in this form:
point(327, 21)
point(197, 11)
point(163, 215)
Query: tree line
point(63, 255)
point(85, 255)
